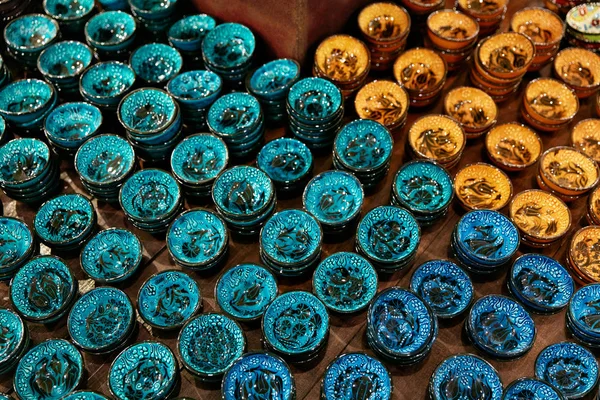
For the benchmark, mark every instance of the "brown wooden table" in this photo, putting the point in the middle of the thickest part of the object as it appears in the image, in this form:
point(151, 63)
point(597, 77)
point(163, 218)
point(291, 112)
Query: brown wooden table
point(347, 334)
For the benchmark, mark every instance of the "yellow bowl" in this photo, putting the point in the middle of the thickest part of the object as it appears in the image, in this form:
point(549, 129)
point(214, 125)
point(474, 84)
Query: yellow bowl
point(451, 29)
point(473, 108)
point(492, 79)
point(492, 90)
point(568, 171)
point(384, 22)
point(420, 7)
point(383, 101)
point(542, 26)
point(506, 55)
point(583, 252)
point(550, 102)
point(437, 137)
point(594, 207)
point(580, 69)
point(342, 59)
point(585, 137)
point(420, 70)
point(482, 8)
point(482, 186)
point(535, 124)
point(513, 146)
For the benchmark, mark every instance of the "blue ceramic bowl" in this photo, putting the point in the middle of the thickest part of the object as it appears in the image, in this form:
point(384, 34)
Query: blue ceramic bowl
point(363, 146)
point(244, 291)
point(62, 63)
point(26, 101)
point(23, 162)
point(65, 220)
point(150, 195)
point(531, 389)
point(111, 31)
point(147, 111)
point(104, 84)
point(314, 100)
point(197, 239)
point(199, 159)
point(71, 124)
point(209, 344)
point(50, 370)
point(541, 283)
point(112, 255)
point(568, 367)
point(152, 9)
point(246, 375)
point(584, 310)
point(345, 376)
point(3, 137)
point(146, 370)
point(295, 323)
point(465, 373)
point(242, 191)
point(228, 46)
point(156, 62)
point(333, 198)
point(286, 161)
point(101, 320)
point(28, 35)
point(274, 79)
point(195, 90)
point(500, 327)
point(105, 160)
point(15, 336)
point(16, 244)
point(188, 33)
point(444, 286)
point(112, 5)
point(84, 395)
point(345, 282)
point(71, 14)
point(168, 299)
point(234, 115)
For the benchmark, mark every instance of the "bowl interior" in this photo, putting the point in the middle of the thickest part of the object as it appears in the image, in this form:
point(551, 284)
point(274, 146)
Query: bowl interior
point(192, 28)
point(471, 107)
point(195, 85)
point(384, 22)
point(31, 32)
point(513, 145)
point(73, 121)
point(234, 113)
point(578, 67)
point(105, 159)
point(420, 69)
point(65, 59)
point(540, 25)
point(25, 96)
point(315, 98)
point(274, 76)
point(229, 45)
point(506, 52)
point(147, 110)
point(150, 194)
point(156, 62)
point(68, 9)
point(453, 25)
point(110, 28)
point(551, 99)
point(342, 58)
point(108, 79)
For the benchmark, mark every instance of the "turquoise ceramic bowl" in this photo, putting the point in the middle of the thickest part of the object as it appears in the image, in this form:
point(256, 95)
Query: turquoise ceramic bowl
point(187, 34)
point(71, 124)
point(156, 63)
point(111, 32)
point(63, 63)
point(26, 101)
point(104, 84)
point(28, 35)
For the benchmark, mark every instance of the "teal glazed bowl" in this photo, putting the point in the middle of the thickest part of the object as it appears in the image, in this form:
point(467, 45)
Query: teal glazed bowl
point(156, 63)
point(105, 84)
point(63, 63)
point(26, 102)
point(15, 336)
point(111, 33)
point(84, 395)
point(152, 9)
point(17, 245)
point(187, 34)
point(28, 35)
point(70, 14)
point(69, 125)
point(228, 50)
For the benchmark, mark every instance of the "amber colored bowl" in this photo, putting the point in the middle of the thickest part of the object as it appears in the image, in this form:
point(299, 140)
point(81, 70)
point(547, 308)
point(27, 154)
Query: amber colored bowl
point(451, 29)
point(420, 70)
point(384, 23)
point(512, 146)
point(579, 69)
point(454, 57)
point(484, 9)
point(473, 108)
point(542, 26)
point(584, 257)
point(506, 55)
point(436, 137)
point(585, 137)
point(490, 89)
point(593, 206)
point(598, 104)
point(342, 59)
point(482, 186)
point(550, 102)
point(568, 171)
point(421, 7)
point(383, 101)
point(493, 79)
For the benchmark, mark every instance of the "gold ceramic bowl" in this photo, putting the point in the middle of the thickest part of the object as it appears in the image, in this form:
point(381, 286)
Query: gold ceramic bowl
point(482, 8)
point(542, 26)
point(506, 55)
point(550, 102)
point(343, 59)
point(490, 78)
point(423, 6)
point(583, 253)
point(493, 91)
point(568, 171)
point(451, 29)
point(383, 101)
point(384, 23)
point(420, 70)
point(513, 146)
point(585, 137)
point(593, 214)
point(482, 186)
point(540, 216)
point(534, 123)
point(437, 137)
point(473, 108)
point(580, 69)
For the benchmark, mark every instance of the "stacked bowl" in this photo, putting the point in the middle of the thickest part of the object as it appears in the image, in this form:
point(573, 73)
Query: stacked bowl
point(17, 340)
point(227, 50)
point(187, 34)
point(19, 245)
point(488, 15)
point(474, 109)
point(581, 258)
point(152, 123)
point(582, 315)
point(383, 101)
point(364, 148)
point(582, 30)
point(155, 16)
point(62, 64)
point(437, 138)
point(25, 103)
point(27, 36)
point(288, 162)
point(549, 105)
point(579, 69)
point(69, 125)
point(422, 72)
point(454, 35)
point(237, 118)
point(104, 84)
point(315, 109)
point(111, 34)
point(156, 63)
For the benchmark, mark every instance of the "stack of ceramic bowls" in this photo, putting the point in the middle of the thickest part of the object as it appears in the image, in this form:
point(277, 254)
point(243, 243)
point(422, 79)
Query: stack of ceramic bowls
point(69, 125)
point(195, 91)
point(19, 243)
point(499, 63)
point(474, 109)
point(549, 105)
point(315, 109)
point(156, 63)
point(17, 340)
point(104, 163)
point(523, 387)
point(111, 34)
point(63, 63)
point(425, 189)
point(484, 241)
point(581, 255)
point(152, 123)
point(347, 369)
point(228, 49)
point(156, 17)
point(489, 16)
point(71, 19)
point(271, 83)
point(27, 36)
point(582, 316)
point(420, 319)
point(335, 199)
point(104, 84)
point(187, 34)
point(197, 161)
point(383, 101)
point(245, 198)
point(30, 173)
point(437, 138)
point(288, 313)
point(454, 35)
point(582, 30)
point(237, 118)
point(151, 199)
point(288, 162)
point(579, 69)
point(290, 243)
point(513, 146)
point(344, 60)
point(364, 148)
point(482, 186)
point(544, 28)
point(385, 27)
point(555, 173)
point(188, 236)
point(422, 72)
point(25, 103)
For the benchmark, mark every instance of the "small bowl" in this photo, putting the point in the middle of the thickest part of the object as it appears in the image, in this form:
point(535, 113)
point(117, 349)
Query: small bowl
point(474, 109)
point(342, 59)
point(187, 34)
point(384, 23)
point(581, 254)
point(437, 138)
point(185, 299)
point(274, 79)
point(314, 101)
point(156, 63)
point(111, 256)
point(16, 341)
point(512, 146)
point(40, 366)
point(484, 10)
point(84, 395)
point(147, 112)
point(26, 101)
point(199, 159)
point(568, 171)
point(288, 162)
point(18, 245)
point(383, 101)
point(25, 162)
point(585, 137)
point(349, 368)
point(579, 69)
point(152, 10)
point(523, 387)
point(70, 14)
point(363, 146)
point(111, 32)
point(28, 35)
point(506, 55)
point(481, 186)
point(229, 46)
point(195, 89)
point(234, 116)
point(542, 26)
point(549, 101)
point(105, 84)
point(63, 63)
point(105, 161)
point(420, 71)
point(582, 312)
point(71, 124)
point(451, 29)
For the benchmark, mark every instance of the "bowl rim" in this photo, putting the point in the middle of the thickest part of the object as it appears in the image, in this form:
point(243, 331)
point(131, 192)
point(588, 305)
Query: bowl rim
point(473, 37)
point(85, 93)
point(557, 74)
point(74, 18)
point(516, 123)
point(48, 74)
point(50, 134)
point(402, 36)
point(93, 42)
point(284, 89)
point(190, 138)
point(556, 121)
point(503, 75)
point(174, 52)
point(172, 38)
point(551, 14)
point(484, 165)
point(129, 169)
point(29, 80)
point(172, 118)
point(12, 45)
point(46, 150)
point(544, 173)
point(456, 89)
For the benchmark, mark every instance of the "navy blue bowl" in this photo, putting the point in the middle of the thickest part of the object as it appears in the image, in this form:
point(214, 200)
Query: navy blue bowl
point(228, 46)
point(314, 100)
point(16, 339)
point(84, 395)
point(62, 64)
point(26, 101)
point(288, 162)
point(531, 388)
point(156, 63)
point(195, 90)
point(187, 34)
point(342, 375)
point(105, 161)
point(28, 35)
point(182, 292)
point(70, 14)
point(71, 124)
point(111, 32)
point(17, 245)
point(273, 80)
point(198, 160)
point(105, 84)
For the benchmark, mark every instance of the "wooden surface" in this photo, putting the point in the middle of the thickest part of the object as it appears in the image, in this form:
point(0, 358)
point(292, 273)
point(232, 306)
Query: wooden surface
point(347, 333)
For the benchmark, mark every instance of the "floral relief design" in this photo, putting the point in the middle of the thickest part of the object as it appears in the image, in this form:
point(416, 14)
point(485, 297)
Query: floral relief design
point(201, 163)
point(212, 348)
point(244, 198)
point(436, 143)
point(364, 151)
point(7, 340)
point(21, 167)
point(395, 326)
point(248, 298)
point(418, 76)
point(423, 192)
point(567, 373)
point(536, 286)
point(568, 174)
point(293, 242)
point(468, 113)
point(152, 199)
point(341, 65)
point(388, 239)
point(106, 166)
point(591, 147)
point(454, 32)
point(114, 261)
point(344, 286)
point(548, 106)
point(230, 51)
point(237, 118)
point(146, 378)
point(337, 203)
point(202, 242)
point(586, 255)
point(472, 386)
point(289, 164)
point(498, 330)
point(512, 151)
point(48, 290)
point(105, 322)
point(298, 327)
point(485, 241)
point(536, 219)
point(148, 117)
point(479, 193)
point(9, 247)
point(441, 292)
point(384, 108)
point(174, 299)
point(55, 375)
point(592, 319)
point(384, 27)
point(314, 104)
point(507, 59)
point(577, 74)
point(535, 32)
point(66, 223)
point(259, 383)
point(28, 103)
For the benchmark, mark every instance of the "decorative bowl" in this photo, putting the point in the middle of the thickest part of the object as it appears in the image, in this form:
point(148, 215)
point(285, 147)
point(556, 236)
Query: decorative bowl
point(16, 340)
point(513, 146)
point(187, 34)
point(70, 14)
point(579, 69)
point(342, 59)
point(342, 376)
point(383, 101)
point(474, 109)
point(438, 138)
point(195, 90)
point(17, 245)
point(585, 137)
point(363, 146)
point(506, 55)
point(482, 186)
point(149, 115)
point(105, 161)
point(549, 101)
point(229, 46)
point(71, 124)
point(568, 171)
point(111, 32)
point(384, 23)
point(62, 63)
point(583, 312)
point(84, 395)
point(542, 26)
point(288, 162)
point(235, 117)
point(104, 84)
point(314, 100)
point(581, 256)
point(156, 63)
point(273, 80)
point(523, 387)
point(27, 35)
point(420, 70)
point(451, 29)
point(26, 101)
